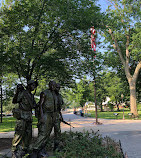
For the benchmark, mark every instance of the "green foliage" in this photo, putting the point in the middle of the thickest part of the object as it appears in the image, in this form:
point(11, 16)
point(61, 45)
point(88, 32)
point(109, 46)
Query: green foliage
point(9, 82)
point(108, 84)
point(122, 34)
point(87, 144)
point(114, 86)
point(136, 42)
point(42, 38)
point(7, 105)
point(81, 93)
point(111, 106)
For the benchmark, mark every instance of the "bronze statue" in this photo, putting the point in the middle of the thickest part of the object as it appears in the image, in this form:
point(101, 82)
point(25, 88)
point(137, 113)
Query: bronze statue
point(47, 109)
point(58, 117)
point(23, 128)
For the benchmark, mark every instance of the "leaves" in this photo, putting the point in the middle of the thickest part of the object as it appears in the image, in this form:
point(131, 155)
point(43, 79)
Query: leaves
point(43, 37)
point(87, 144)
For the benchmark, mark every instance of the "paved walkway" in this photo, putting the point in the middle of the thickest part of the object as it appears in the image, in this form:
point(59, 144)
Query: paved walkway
point(127, 131)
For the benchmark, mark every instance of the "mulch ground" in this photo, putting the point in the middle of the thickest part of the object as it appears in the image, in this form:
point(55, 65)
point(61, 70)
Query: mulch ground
point(5, 143)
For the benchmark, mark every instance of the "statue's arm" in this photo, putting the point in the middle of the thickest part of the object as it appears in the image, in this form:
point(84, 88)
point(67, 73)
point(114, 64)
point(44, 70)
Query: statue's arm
point(16, 98)
point(14, 101)
point(41, 103)
point(60, 108)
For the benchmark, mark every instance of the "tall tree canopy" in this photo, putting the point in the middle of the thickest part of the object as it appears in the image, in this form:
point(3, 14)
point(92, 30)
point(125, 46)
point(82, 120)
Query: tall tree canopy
point(124, 33)
point(43, 35)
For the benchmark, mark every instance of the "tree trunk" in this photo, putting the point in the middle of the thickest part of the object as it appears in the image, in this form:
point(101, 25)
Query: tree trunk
point(131, 78)
point(96, 117)
point(101, 108)
point(133, 104)
point(1, 101)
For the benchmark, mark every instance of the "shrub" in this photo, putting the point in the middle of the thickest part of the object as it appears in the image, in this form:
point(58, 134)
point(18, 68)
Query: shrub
point(88, 145)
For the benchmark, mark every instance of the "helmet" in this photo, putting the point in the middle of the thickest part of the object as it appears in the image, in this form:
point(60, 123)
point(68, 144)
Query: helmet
point(31, 82)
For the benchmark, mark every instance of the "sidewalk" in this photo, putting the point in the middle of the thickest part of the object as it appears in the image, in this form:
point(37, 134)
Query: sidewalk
point(127, 131)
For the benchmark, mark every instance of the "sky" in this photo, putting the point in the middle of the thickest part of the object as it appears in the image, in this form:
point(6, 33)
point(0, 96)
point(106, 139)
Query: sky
point(103, 4)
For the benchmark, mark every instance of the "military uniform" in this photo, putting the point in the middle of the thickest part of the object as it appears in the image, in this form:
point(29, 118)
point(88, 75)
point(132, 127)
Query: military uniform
point(57, 128)
point(45, 128)
point(23, 129)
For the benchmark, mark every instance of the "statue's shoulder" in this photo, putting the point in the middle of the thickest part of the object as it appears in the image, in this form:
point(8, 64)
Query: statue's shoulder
point(21, 93)
point(25, 92)
point(46, 92)
point(60, 95)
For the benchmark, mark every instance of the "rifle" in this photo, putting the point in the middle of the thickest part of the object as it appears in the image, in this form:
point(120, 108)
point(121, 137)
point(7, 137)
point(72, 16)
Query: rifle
point(66, 123)
point(62, 120)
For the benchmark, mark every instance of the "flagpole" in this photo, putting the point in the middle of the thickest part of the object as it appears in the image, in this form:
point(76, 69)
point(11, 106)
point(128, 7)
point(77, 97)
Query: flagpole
point(93, 46)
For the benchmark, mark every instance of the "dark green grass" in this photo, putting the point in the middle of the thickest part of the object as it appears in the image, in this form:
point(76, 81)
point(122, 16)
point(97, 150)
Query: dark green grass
point(8, 124)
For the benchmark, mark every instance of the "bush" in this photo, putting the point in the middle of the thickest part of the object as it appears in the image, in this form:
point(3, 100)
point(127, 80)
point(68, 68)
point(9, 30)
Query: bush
point(111, 106)
point(87, 145)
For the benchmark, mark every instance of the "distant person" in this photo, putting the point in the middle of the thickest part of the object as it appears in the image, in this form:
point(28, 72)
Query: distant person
point(23, 114)
point(81, 112)
point(74, 111)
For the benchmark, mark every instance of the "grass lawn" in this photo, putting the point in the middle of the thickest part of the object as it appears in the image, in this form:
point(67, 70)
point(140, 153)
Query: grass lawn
point(110, 115)
point(8, 124)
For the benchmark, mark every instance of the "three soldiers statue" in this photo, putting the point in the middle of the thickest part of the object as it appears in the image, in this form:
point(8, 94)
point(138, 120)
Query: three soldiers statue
point(48, 112)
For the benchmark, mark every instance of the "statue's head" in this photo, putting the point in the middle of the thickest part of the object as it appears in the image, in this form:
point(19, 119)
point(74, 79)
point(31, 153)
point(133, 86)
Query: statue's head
point(31, 84)
point(57, 87)
point(52, 85)
point(20, 87)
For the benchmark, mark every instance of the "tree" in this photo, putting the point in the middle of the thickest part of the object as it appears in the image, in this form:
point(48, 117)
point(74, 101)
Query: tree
point(115, 87)
point(3, 64)
point(79, 94)
point(43, 37)
point(124, 33)
point(101, 89)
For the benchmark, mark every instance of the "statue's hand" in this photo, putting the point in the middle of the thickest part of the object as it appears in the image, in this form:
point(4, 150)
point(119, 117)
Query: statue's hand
point(42, 120)
point(61, 118)
point(35, 106)
point(19, 88)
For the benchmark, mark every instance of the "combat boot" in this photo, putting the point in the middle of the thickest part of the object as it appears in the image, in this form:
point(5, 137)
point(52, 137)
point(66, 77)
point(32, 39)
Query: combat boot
point(14, 154)
point(43, 154)
point(34, 154)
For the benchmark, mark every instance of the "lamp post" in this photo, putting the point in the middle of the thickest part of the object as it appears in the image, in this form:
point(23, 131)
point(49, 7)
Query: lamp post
point(122, 104)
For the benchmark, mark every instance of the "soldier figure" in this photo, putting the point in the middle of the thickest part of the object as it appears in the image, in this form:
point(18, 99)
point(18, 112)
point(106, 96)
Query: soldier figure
point(23, 129)
point(47, 108)
point(58, 117)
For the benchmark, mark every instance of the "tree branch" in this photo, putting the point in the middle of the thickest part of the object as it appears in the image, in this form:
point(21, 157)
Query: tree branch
point(137, 70)
point(37, 25)
point(116, 47)
point(41, 53)
point(18, 73)
point(35, 34)
point(127, 56)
